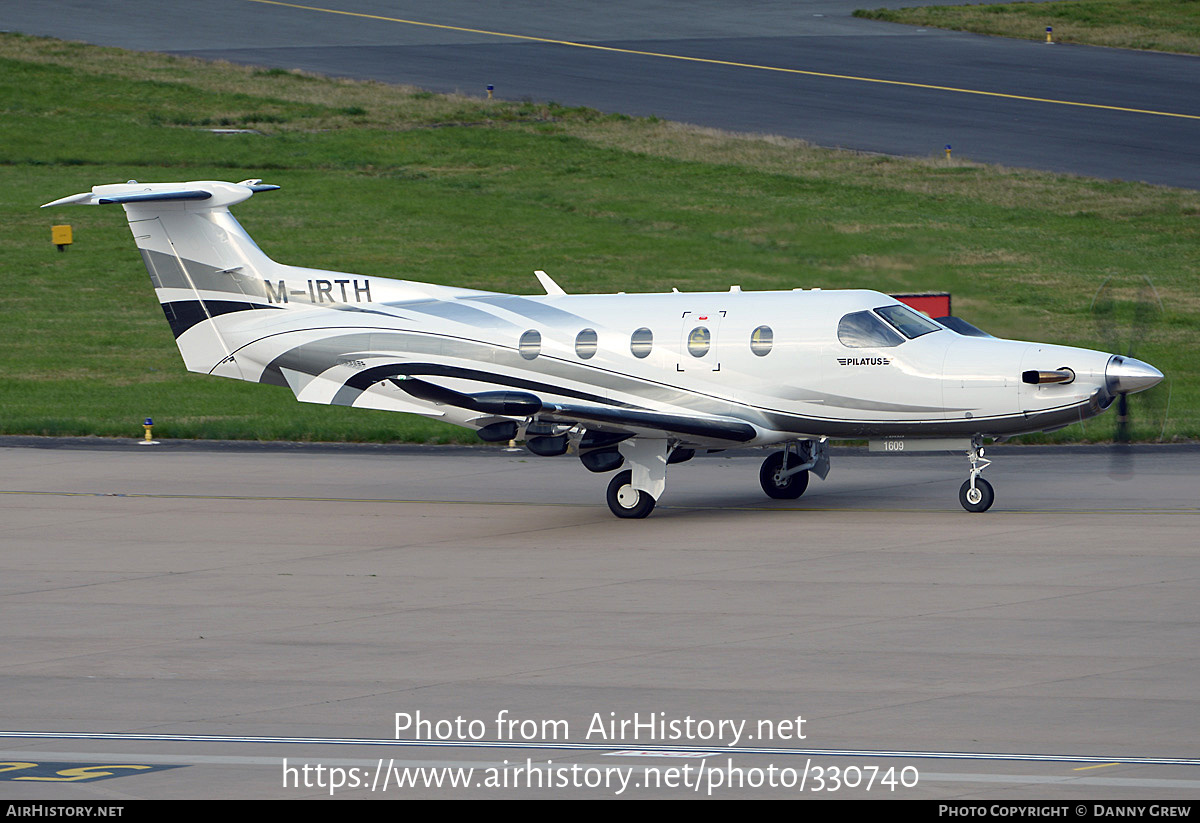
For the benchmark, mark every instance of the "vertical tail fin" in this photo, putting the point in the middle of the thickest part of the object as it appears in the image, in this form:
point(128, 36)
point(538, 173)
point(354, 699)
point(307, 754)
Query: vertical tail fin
point(201, 261)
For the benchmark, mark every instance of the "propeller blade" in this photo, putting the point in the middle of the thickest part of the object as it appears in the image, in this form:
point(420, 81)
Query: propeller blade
point(1126, 313)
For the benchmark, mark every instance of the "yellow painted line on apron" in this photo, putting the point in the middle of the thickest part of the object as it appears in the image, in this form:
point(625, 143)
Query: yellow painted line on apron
point(734, 64)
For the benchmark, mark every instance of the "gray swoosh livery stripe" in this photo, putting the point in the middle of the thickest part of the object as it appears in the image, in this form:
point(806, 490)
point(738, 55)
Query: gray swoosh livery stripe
point(319, 355)
point(841, 402)
point(533, 309)
point(457, 313)
point(314, 357)
point(165, 273)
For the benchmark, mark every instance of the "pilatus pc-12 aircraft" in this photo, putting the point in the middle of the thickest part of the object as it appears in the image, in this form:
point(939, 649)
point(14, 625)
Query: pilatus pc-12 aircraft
point(631, 383)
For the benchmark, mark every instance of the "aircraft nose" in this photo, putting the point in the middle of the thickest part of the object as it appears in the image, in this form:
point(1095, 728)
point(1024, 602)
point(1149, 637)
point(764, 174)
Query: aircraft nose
point(1124, 375)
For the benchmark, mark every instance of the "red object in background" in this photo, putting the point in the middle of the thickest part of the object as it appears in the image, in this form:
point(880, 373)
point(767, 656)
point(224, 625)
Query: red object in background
point(932, 303)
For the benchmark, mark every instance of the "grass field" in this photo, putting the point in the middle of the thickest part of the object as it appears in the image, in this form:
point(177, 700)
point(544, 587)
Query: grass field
point(1159, 25)
point(394, 181)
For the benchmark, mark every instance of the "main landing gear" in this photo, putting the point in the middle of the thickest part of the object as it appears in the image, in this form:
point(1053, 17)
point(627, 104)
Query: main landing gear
point(784, 474)
point(779, 480)
point(625, 501)
point(976, 494)
point(633, 492)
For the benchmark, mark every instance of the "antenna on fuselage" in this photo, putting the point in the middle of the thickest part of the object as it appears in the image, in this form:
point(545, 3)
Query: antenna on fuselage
point(548, 283)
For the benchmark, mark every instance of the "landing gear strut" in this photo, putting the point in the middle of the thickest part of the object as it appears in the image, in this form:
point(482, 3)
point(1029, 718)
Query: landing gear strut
point(633, 493)
point(976, 494)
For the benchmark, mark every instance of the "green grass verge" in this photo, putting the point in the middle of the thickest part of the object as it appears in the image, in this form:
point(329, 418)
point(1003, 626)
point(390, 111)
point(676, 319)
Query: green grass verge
point(1158, 25)
point(393, 181)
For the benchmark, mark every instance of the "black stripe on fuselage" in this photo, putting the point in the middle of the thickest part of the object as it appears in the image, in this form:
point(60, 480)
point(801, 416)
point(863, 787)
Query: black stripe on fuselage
point(183, 314)
point(607, 412)
point(363, 380)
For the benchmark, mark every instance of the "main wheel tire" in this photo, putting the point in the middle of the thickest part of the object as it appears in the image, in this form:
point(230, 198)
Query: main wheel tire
point(626, 501)
point(787, 488)
point(980, 498)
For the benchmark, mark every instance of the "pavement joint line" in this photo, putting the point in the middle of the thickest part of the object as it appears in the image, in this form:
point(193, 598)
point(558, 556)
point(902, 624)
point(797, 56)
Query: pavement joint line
point(733, 63)
point(678, 508)
point(926, 777)
point(608, 747)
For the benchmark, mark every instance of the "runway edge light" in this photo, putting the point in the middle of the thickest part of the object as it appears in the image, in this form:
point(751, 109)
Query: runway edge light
point(148, 440)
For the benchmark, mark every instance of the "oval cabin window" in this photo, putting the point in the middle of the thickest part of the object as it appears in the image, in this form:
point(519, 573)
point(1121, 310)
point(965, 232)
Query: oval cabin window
point(761, 340)
point(530, 345)
point(641, 342)
point(585, 343)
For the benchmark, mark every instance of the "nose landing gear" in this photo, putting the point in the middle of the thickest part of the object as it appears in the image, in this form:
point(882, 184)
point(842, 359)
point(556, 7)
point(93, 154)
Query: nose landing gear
point(976, 494)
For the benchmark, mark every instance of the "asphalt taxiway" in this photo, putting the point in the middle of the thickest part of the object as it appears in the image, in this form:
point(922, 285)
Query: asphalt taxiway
point(266, 594)
point(801, 69)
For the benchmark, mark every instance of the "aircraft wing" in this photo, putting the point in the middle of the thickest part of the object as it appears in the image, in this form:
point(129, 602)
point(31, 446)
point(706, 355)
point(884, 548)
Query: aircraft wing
point(527, 404)
point(718, 428)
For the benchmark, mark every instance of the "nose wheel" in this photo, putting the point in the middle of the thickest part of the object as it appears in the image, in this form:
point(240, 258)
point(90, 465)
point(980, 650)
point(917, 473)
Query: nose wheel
point(976, 494)
point(977, 498)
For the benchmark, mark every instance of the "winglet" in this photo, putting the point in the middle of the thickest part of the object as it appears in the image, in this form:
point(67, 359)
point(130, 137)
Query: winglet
point(548, 283)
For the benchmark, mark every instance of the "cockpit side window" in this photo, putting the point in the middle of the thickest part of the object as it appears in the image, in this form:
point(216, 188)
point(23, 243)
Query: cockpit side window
point(863, 330)
point(910, 323)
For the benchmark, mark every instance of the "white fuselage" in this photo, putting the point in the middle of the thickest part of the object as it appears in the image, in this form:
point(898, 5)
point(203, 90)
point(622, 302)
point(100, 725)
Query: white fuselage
point(643, 351)
point(760, 367)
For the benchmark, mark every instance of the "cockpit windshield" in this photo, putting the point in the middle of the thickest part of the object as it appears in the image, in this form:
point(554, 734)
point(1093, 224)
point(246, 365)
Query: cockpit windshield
point(863, 330)
point(910, 323)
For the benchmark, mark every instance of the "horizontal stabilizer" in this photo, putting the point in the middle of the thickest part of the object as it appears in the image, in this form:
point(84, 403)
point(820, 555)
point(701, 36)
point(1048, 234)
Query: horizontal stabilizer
point(135, 193)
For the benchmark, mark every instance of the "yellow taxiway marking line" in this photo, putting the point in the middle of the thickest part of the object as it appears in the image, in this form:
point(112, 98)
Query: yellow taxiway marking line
point(715, 62)
point(1097, 766)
